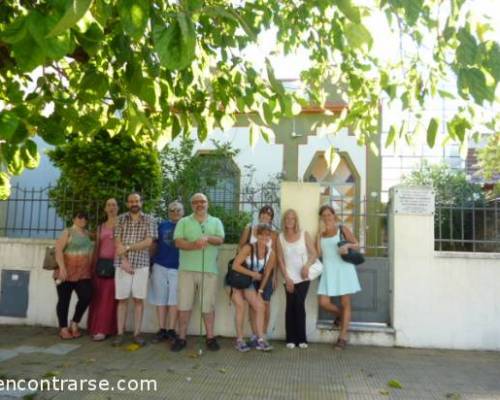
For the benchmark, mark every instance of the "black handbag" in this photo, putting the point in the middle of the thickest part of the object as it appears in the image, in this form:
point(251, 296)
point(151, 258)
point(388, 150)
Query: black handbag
point(105, 268)
point(237, 280)
point(352, 256)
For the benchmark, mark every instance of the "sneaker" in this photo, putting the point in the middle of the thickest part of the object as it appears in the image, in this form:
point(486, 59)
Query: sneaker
point(139, 340)
point(241, 346)
point(118, 341)
point(171, 334)
point(212, 344)
point(160, 336)
point(290, 345)
point(252, 342)
point(98, 337)
point(262, 345)
point(178, 345)
point(303, 345)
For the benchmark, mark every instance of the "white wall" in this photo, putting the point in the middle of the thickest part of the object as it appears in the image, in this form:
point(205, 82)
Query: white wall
point(442, 300)
point(27, 255)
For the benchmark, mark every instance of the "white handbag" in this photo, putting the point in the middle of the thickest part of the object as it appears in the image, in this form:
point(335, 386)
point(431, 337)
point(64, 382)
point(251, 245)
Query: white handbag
point(315, 270)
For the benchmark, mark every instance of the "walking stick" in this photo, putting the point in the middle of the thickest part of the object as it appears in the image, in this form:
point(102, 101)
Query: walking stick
point(200, 350)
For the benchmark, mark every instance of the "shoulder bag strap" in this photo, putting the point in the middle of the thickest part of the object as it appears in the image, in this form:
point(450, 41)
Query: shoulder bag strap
point(250, 228)
point(341, 232)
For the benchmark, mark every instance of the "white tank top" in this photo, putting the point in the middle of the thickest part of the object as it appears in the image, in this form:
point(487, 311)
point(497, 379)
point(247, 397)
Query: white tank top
point(258, 265)
point(253, 238)
point(295, 256)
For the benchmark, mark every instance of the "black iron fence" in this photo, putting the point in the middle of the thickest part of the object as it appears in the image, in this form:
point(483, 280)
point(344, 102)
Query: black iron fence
point(31, 212)
point(472, 227)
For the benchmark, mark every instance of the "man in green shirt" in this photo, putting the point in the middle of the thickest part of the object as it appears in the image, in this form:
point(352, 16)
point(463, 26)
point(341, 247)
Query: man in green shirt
point(198, 237)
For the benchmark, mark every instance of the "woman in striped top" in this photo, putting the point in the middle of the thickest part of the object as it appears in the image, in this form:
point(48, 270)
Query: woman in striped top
point(73, 254)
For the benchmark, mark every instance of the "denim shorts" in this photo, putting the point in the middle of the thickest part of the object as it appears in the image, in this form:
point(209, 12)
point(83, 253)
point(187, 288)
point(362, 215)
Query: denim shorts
point(268, 290)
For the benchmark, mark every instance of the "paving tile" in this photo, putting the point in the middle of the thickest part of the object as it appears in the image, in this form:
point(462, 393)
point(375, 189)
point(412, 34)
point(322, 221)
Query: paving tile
point(316, 373)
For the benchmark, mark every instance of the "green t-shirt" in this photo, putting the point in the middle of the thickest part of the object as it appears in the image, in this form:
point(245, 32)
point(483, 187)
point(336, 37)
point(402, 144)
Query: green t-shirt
point(188, 228)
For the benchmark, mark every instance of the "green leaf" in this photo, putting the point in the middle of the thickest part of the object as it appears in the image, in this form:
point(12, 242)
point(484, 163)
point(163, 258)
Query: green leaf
point(15, 164)
point(134, 16)
point(9, 122)
point(268, 109)
point(468, 49)
point(475, 81)
point(390, 136)
point(358, 36)
point(15, 32)
point(492, 63)
point(102, 12)
point(4, 186)
point(349, 10)
point(74, 13)
point(150, 92)
point(446, 95)
point(50, 131)
point(458, 127)
point(253, 134)
point(28, 54)
point(30, 155)
point(275, 83)
point(176, 44)
point(231, 14)
point(94, 85)
point(432, 130)
point(192, 5)
point(413, 8)
point(92, 39)
point(54, 47)
point(395, 384)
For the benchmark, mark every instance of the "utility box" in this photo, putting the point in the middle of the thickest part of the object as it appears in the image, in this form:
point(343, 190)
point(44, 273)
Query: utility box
point(14, 296)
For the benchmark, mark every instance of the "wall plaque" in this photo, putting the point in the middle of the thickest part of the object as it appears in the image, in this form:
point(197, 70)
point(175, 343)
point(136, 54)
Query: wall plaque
point(413, 200)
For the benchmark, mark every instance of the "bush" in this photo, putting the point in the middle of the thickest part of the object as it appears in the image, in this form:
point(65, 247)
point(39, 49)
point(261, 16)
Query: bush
point(234, 222)
point(455, 218)
point(95, 170)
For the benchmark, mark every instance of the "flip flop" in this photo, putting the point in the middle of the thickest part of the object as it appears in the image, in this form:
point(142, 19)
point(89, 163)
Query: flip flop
point(65, 334)
point(76, 333)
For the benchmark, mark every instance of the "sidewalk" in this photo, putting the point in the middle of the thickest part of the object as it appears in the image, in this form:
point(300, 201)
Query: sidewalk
point(315, 373)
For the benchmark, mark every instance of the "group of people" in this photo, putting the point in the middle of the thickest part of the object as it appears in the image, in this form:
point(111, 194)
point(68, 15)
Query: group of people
point(171, 262)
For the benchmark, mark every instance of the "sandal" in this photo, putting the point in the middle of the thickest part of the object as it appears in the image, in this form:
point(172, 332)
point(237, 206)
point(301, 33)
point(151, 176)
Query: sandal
point(65, 334)
point(75, 332)
point(341, 344)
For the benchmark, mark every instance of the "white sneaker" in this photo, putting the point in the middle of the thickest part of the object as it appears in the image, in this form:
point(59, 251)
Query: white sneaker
point(290, 345)
point(303, 345)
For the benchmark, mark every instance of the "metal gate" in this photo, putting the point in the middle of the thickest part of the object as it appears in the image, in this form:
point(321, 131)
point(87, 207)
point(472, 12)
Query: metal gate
point(368, 221)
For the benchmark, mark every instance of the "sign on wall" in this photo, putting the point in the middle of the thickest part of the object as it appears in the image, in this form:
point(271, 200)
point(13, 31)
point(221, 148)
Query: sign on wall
point(413, 200)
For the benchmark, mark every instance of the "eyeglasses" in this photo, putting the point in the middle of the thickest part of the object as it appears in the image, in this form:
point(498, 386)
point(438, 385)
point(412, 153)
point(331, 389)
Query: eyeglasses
point(175, 210)
point(198, 201)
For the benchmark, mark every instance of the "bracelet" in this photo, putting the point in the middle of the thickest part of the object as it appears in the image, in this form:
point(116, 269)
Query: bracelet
point(261, 291)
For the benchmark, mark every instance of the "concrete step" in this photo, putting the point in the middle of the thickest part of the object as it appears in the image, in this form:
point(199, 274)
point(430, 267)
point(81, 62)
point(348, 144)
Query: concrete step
point(360, 333)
